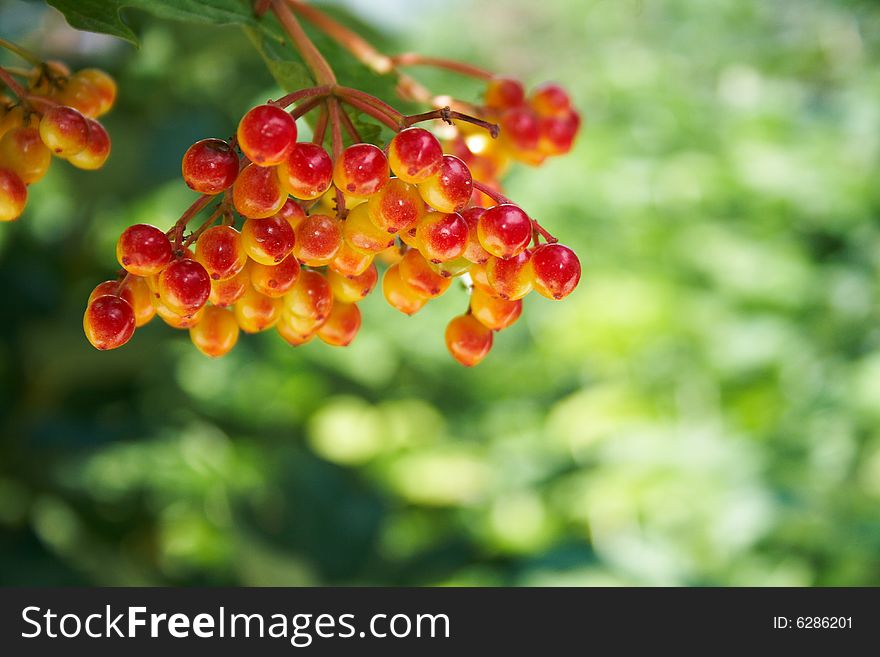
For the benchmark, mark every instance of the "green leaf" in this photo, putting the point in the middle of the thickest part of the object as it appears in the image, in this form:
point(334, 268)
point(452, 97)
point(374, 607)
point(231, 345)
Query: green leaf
point(103, 15)
point(289, 73)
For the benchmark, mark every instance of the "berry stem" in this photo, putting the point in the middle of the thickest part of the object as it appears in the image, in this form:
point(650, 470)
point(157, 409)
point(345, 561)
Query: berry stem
point(351, 41)
point(25, 54)
point(349, 126)
point(220, 209)
point(311, 55)
point(320, 126)
point(7, 78)
point(415, 59)
point(309, 92)
point(177, 229)
point(304, 108)
point(498, 197)
point(370, 110)
point(336, 136)
point(449, 115)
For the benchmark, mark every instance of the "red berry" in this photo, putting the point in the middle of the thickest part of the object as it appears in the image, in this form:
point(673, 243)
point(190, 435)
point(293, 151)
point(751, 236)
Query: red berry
point(184, 286)
point(292, 213)
point(108, 322)
point(468, 340)
point(351, 289)
point(342, 325)
point(105, 87)
point(416, 272)
point(361, 170)
point(256, 312)
point(318, 238)
point(258, 192)
point(216, 334)
point(504, 92)
point(143, 250)
point(504, 230)
point(362, 234)
point(442, 236)
point(64, 130)
point(448, 190)
point(549, 99)
point(494, 313)
point(266, 134)
point(414, 155)
point(226, 293)
point(307, 171)
point(520, 128)
point(397, 206)
point(474, 250)
point(400, 295)
point(511, 279)
point(558, 133)
point(295, 330)
point(96, 151)
point(22, 151)
point(268, 240)
point(221, 252)
point(13, 195)
point(210, 166)
point(556, 270)
point(275, 280)
point(349, 262)
point(310, 297)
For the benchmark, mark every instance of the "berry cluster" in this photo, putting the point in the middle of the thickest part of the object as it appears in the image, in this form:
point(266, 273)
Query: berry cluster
point(312, 228)
point(54, 114)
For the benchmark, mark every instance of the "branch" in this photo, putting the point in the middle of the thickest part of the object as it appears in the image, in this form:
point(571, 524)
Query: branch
point(311, 55)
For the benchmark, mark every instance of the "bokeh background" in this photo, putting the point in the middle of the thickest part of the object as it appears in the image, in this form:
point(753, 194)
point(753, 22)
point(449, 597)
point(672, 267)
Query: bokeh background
point(703, 410)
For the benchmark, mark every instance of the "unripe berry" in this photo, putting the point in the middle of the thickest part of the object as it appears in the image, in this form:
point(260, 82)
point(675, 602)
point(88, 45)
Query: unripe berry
point(23, 152)
point(395, 207)
point(318, 238)
point(361, 170)
point(493, 313)
point(448, 190)
point(349, 262)
point(226, 293)
point(108, 322)
point(451, 268)
point(362, 234)
point(399, 295)
point(64, 130)
point(511, 278)
point(137, 292)
point(296, 330)
point(414, 155)
point(17, 117)
point(220, 250)
point(351, 289)
point(184, 286)
point(209, 166)
point(256, 312)
point(275, 280)
point(442, 236)
point(468, 340)
point(143, 250)
point(97, 149)
point(258, 192)
point(266, 134)
point(81, 94)
point(268, 240)
point(105, 87)
point(342, 325)
point(504, 230)
point(556, 270)
point(502, 93)
point(175, 320)
point(216, 334)
point(307, 171)
point(416, 272)
point(311, 296)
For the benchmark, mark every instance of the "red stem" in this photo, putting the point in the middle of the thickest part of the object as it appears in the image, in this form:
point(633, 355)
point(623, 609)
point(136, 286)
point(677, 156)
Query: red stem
point(13, 84)
point(369, 110)
point(347, 93)
point(311, 55)
point(415, 59)
point(177, 229)
point(336, 134)
point(349, 126)
point(498, 197)
point(304, 108)
point(284, 101)
point(320, 126)
point(220, 209)
point(449, 115)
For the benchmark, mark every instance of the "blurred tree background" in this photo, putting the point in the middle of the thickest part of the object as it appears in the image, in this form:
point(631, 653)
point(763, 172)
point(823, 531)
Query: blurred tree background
point(703, 410)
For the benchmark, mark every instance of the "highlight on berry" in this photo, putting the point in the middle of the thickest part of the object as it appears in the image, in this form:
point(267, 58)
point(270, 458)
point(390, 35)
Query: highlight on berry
point(290, 234)
point(46, 110)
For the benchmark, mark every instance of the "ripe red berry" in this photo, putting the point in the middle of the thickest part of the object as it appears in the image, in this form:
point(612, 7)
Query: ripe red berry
point(184, 286)
point(226, 293)
point(310, 297)
point(220, 250)
point(395, 207)
point(474, 251)
point(448, 190)
point(292, 213)
point(307, 171)
point(558, 133)
point(64, 130)
point(414, 155)
point(504, 230)
point(400, 295)
point(13, 195)
point(468, 340)
point(520, 128)
point(361, 170)
point(217, 332)
point(442, 236)
point(556, 270)
point(137, 292)
point(143, 250)
point(416, 272)
point(256, 312)
point(318, 238)
point(342, 325)
point(210, 166)
point(266, 134)
point(549, 99)
point(349, 262)
point(502, 93)
point(258, 192)
point(511, 278)
point(494, 313)
point(23, 152)
point(108, 322)
point(175, 320)
point(97, 150)
point(268, 240)
point(105, 88)
point(275, 280)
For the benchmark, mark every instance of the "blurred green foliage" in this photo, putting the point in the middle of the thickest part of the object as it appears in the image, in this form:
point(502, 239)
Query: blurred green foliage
point(703, 410)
